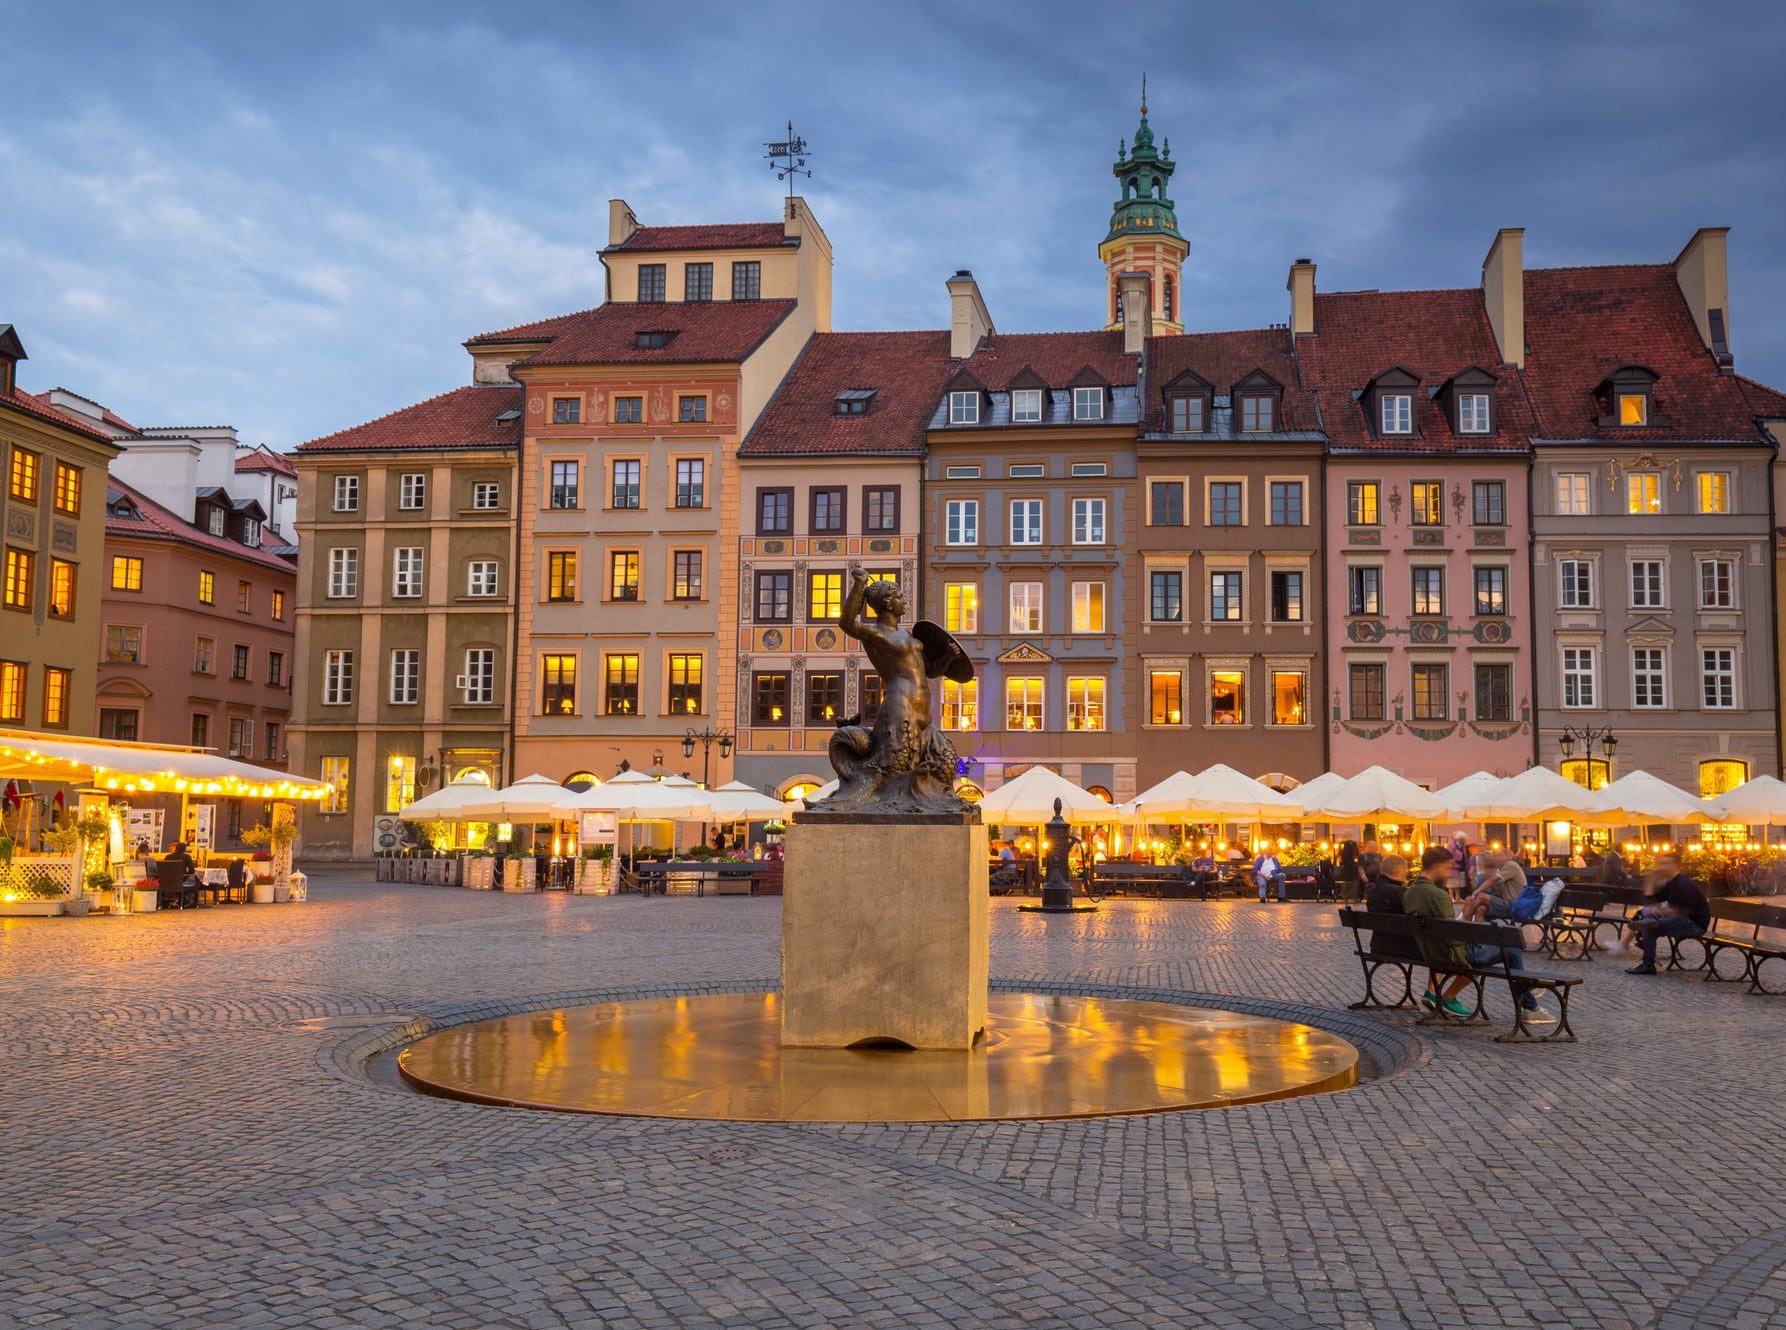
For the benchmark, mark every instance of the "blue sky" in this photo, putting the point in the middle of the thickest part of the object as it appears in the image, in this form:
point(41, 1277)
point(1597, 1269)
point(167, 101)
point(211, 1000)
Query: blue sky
point(287, 219)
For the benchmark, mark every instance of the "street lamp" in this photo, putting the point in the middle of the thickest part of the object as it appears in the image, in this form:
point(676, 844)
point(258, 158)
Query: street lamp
point(707, 738)
point(1587, 737)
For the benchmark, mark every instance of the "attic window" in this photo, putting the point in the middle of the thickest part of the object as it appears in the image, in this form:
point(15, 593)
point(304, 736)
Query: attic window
point(508, 417)
point(1627, 399)
point(853, 402)
point(1088, 404)
point(964, 408)
point(214, 521)
point(652, 339)
point(1398, 413)
point(1634, 408)
point(1185, 413)
point(1026, 405)
point(1257, 413)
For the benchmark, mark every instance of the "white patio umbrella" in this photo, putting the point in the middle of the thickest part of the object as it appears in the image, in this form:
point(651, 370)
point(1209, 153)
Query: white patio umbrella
point(1311, 793)
point(1540, 795)
point(737, 802)
point(534, 798)
point(1757, 803)
point(447, 804)
point(1217, 792)
point(632, 796)
point(1377, 794)
point(1465, 799)
point(1029, 801)
point(1639, 799)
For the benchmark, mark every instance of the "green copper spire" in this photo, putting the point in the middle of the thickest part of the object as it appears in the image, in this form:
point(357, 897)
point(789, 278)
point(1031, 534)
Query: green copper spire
point(1143, 172)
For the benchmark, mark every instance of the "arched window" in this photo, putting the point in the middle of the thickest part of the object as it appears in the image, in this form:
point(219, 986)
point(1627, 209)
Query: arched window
point(477, 775)
point(969, 791)
point(1101, 792)
point(581, 780)
point(1721, 775)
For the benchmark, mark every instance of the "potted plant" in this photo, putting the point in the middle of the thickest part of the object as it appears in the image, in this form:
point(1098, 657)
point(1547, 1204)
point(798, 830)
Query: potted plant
point(596, 873)
point(5, 851)
point(100, 883)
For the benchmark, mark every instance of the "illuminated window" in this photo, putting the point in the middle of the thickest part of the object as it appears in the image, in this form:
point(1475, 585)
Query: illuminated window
point(1023, 703)
point(769, 698)
point(558, 685)
point(1166, 697)
point(56, 684)
point(1088, 607)
point(1714, 491)
point(623, 575)
point(620, 696)
point(1361, 502)
point(127, 573)
point(685, 684)
point(61, 589)
point(561, 575)
point(1634, 408)
point(824, 697)
point(12, 690)
point(1026, 607)
point(824, 597)
point(334, 775)
point(399, 779)
point(1643, 492)
point(1593, 776)
point(1720, 776)
point(961, 705)
point(1426, 503)
point(1085, 703)
point(1430, 685)
point(961, 607)
point(68, 489)
point(21, 572)
point(1289, 697)
point(207, 588)
point(1227, 697)
point(25, 464)
point(279, 605)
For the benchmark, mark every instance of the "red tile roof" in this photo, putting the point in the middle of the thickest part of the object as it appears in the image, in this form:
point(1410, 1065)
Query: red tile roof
point(32, 405)
point(1224, 359)
point(907, 370)
point(1763, 400)
point(263, 458)
point(707, 332)
point(1584, 323)
point(462, 418)
point(540, 330)
point(1431, 334)
point(154, 522)
point(1057, 357)
point(724, 235)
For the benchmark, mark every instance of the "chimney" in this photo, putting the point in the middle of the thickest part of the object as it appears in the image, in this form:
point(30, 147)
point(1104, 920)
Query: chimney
point(968, 319)
point(1135, 292)
point(1301, 287)
point(1504, 293)
point(621, 222)
point(1704, 277)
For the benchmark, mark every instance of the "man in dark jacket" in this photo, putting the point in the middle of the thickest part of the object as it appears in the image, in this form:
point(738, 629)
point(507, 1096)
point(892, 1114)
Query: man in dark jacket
point(1677, 908)
point(1385, 897)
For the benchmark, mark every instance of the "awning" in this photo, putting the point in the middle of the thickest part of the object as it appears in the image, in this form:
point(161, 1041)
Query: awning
point(139, 768)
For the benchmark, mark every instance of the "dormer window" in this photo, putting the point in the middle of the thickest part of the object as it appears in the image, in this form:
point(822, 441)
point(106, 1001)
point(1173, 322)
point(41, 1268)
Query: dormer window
point(1634, 408)
point(1088, 404)
point(1184, 414)
point(1388, 402)
point(1397, 413)
point(964, 408)
point(1627, 399)
point(1472, 413)
point(1257, 413)
point(251, 532)
point(215, 519)
point(1026, 406)
point(1467, 399)
point(653, 339)
point(853, 402)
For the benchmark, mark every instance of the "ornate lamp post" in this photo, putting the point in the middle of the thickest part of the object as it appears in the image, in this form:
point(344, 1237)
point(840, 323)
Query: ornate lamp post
point(707, 738)
point(1587, 737)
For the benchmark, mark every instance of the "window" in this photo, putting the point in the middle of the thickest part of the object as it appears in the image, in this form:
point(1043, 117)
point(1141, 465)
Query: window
point(1578, 584)
point(1088, 607)
point(651, 282)
point(1088, 404)
point(558, 684)
point(1361, 503)
point(824, 597)
point(1026, 521)
point(961, 705)
point(337, 678)
point(1286, 597)
point(12, 690)
point(57, 685)
point(1489, 503)
point(747, 280)
point(1398, 413)
point(685, 684)
point(1026, 607)
point(1714, 491)
point(123, 645)
point(207, 588)
point(1286, 503)
point(685, 575)
point(1088, 521)
point(1289, 697)
point(239, 662)
point(775, 597)
point(623, 575)
point(1491, 591)
point(480, 577)
point(1026, 406)
point(406, 574)
point(1364, 589)
point(1643, 492)
point(275, 672)
point(1494, 692)
point(1227, 697)
point(1085, 703)
point(691, 408)
point(1023, 703)
point(1165, 503)
point(1579, 677)
point(244, 597)
point(691, 482)
point(486, 495)
point(1572, 493)
point(769, 698)
point(406, 677)
point(1646, 584)
point(775, 512)
point(1226, 601)
point(68, 490)
point(412, 486)
point(1634, 408)
point(1257, 415)
point(1226, 501)
point(1426, 505)
point(118, 724)
point(625, 489)
point(824, 698)
point(215, 520)
point(478, 687)
point(961, 522)
point(334, 775)
point(964, 408)
point(272, 751)
point(1165, 691)
point(1429, 590)
point(1429, 684)
point(1717, 674)
point(880, 508)
point(1717, 584)
point(1185, 414)
point(828, 510)
point(561, 575)
point(62, 589)
point(961, 473)
point(127, 573)
point(251, 535)
point(697, 281)
point(204, 655)
point(21, 575)
point(961, 607)
point(629, 410)
point(201, 731)
point(347, 494)
point(1165, 596)
point(1649, 678)
point(25, 464)
point(565, 476)
point(1472, 413)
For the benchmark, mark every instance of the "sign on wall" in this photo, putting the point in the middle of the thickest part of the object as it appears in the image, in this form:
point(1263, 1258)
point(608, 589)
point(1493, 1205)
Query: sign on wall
point(598, 829)
point(196, 832)
point(144, 826)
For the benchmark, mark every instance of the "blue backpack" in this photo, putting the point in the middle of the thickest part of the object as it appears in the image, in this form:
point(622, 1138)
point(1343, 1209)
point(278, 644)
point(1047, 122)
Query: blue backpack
point(1530, 902)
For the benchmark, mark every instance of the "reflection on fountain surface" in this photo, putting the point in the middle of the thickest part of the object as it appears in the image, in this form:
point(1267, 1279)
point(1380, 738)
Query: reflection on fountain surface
point(720, 1057)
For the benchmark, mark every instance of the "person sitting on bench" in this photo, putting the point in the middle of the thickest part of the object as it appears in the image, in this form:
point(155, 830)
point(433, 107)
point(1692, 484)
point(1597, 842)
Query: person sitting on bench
point(1427, 895)
point(1268, 872)
point(1677, 908)
point(1385, 897)
point(1494, 898)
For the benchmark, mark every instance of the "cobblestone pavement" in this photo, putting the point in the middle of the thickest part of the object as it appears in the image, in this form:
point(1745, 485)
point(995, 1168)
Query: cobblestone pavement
point(190, 1139)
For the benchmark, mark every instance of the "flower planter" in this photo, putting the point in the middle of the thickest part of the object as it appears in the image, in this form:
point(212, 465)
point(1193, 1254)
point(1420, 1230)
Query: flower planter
point(145, 900)
point(517, 875)
point(78, 905)
point(30, 909)
point(281, 893)
point(595, 877)
point(261, 893)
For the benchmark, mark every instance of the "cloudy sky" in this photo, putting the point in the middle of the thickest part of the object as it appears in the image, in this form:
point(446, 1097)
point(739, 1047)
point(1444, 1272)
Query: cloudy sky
point(288, 218)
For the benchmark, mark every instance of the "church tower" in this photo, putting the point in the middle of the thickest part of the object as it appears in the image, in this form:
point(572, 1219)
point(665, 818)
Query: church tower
point(1144, 230)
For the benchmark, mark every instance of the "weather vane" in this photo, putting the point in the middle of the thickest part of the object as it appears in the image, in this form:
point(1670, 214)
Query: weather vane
point(788, 158)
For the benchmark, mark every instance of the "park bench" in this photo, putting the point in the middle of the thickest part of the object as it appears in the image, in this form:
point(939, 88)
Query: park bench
point(1366, 934)
point(1615, 912)
point(1442, 932)
point(1151, 879)
point(1736, 927)
point(1567, 932)
point(1014, 875)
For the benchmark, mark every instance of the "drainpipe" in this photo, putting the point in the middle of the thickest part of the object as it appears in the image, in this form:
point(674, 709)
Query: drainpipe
point(1773, 584)
point(1531, 562)
point(515, 592)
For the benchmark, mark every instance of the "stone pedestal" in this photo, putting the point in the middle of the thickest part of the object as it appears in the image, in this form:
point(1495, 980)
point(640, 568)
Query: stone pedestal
point(883, 931)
